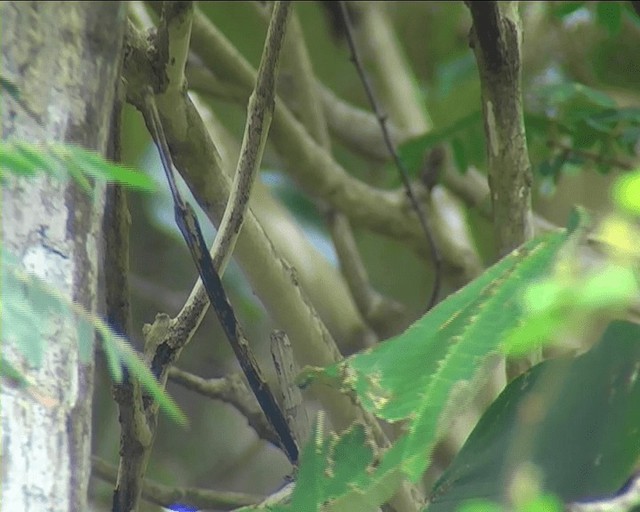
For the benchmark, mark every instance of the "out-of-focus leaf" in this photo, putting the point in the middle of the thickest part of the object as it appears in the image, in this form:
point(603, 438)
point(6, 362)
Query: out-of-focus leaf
point(459, 155)
point(563, 9)
point(546, 417)
point(61, 160)
point(30, 306)
point(609, 16)
point(452, 72)
point(413, 151)
point(94, 165)
point(15, 162)
point(551, 167)
point(576, 96)
point(9, 371)
point(626, 192)
point(10, 87)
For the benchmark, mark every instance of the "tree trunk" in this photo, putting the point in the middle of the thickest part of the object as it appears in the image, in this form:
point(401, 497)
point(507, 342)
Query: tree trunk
point(64, 59)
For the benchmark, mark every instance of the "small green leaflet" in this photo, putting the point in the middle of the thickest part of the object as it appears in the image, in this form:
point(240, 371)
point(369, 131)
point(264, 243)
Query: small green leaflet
point(431, 370)
point(22, 158)
point(29, 307)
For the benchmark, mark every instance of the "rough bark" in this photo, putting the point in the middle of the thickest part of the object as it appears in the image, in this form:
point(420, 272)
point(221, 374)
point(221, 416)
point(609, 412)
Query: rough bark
point(496, 38)
point(64, 59)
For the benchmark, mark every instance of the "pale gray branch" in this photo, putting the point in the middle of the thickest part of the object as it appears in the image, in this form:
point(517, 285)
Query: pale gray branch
point(496, 39)
point(233, 391)
point(286, 371)
point(259, 114)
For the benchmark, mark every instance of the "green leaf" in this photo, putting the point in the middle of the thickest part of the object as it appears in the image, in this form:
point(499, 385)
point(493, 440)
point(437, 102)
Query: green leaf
point(480, 506)
point(546, 417)
point(564, 9)
point(551, 167)
point(331, 467)
point(337, 473)
point(62, 160)
point(412, 152)
point(544, 503)
point(9, 371)
point(459, 154)
point(94, 165)
point(14, 162)
point(10, 87)
point(609, 16)
point(119, 351)
point(430, 371)
point(574, 96)
point(626, 192)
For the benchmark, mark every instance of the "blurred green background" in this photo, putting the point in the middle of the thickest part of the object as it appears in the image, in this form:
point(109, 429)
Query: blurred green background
point(594, 44)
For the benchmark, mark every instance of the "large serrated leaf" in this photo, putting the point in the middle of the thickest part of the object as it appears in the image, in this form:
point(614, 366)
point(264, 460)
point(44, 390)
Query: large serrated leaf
point(432, 368)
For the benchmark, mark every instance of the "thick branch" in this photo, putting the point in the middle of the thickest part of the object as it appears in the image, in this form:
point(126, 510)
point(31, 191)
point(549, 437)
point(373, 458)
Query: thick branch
point(356, 128)
point(136, 428)
point(496, 39)
point(174, 36)
point(194, 154)
point(385, 212)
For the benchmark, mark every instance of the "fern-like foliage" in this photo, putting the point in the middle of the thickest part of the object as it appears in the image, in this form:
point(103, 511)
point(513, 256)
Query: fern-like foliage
point(20, 158)
point(29, 305)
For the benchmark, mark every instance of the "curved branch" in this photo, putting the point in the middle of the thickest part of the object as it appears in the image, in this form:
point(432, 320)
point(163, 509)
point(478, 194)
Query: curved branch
point(385, 212)
point(259, 114)
point(272, 278)
point(233, 391)
point(434, 253)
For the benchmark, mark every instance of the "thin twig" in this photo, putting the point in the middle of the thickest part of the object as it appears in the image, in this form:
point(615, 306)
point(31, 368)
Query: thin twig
point(259, 115)
point(135, 427)
point(233, 391)
point(434, 252)
point(166, 496)
point(190, 228)
point(600, 158)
